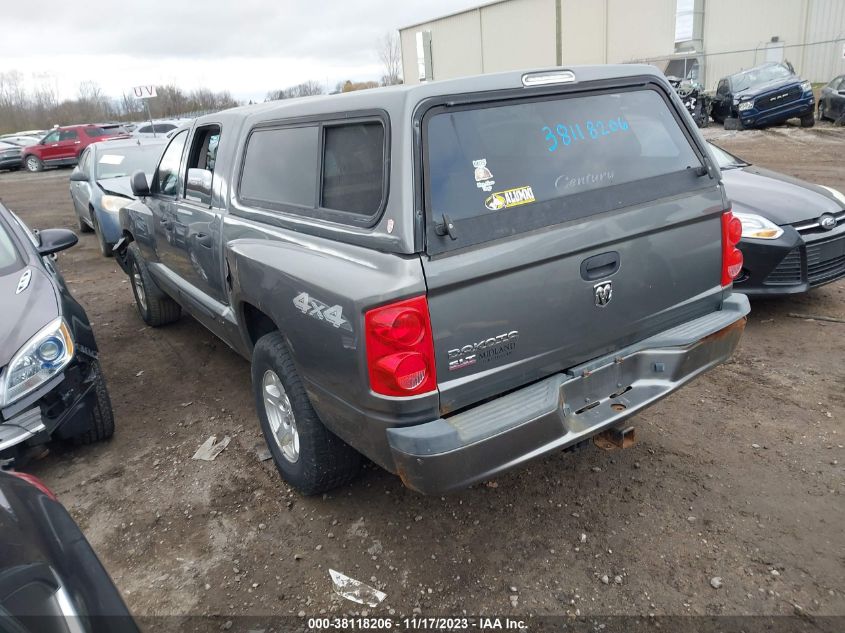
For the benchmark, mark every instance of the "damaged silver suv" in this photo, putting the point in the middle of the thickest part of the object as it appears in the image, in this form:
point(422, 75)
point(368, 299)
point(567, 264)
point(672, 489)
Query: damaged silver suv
point(450, 278)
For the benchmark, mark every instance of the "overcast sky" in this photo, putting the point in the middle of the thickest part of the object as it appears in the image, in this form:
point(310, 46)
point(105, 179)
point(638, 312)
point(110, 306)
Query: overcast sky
point(245, 46)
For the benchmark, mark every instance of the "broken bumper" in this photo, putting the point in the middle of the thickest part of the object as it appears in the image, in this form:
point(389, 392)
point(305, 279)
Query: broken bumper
point(564, 409)
point(21, 428)
point(61, 408)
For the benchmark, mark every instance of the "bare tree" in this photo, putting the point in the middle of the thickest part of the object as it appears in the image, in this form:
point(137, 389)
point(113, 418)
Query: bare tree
point(92, 104)
point(390, 54)
point(305, 89)
point(350, 86)
point(130, 107)
point(41, 108)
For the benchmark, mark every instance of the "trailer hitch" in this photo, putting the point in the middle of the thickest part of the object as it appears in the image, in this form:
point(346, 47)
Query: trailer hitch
point(615, 438)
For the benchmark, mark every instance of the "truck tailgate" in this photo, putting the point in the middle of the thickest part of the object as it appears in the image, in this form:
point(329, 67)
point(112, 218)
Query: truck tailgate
point(576, 226)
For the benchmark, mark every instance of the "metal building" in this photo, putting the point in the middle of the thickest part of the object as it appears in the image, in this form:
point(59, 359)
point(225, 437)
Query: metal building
point(705, 39)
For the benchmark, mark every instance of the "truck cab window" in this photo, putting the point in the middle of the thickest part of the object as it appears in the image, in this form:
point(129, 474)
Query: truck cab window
point(202, 158)
point(166, 181)
point(204, 148)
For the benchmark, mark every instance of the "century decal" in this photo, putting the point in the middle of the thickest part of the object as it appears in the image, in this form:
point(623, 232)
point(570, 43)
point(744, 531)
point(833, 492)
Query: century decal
point(509, 198)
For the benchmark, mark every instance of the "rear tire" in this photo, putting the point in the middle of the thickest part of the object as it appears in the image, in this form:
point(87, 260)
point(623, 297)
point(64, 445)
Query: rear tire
point(154, 307)
point(102, 416)
point(808, 120)
point(33, 163)
point(307, 455)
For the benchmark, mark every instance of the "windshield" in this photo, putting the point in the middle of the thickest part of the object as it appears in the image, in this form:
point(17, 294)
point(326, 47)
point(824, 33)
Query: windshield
point(725, 160)
point(116, 162)
point(759, 76)
point(10, 260)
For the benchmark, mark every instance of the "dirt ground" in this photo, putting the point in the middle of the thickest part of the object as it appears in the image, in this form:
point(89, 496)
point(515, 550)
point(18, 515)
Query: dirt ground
point(738, 475)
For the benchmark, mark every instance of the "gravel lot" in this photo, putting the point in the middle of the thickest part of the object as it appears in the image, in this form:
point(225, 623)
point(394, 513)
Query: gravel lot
point(739, 475)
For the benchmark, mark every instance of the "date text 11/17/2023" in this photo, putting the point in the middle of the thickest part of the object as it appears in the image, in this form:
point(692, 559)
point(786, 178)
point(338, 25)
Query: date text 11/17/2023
point(569, 134)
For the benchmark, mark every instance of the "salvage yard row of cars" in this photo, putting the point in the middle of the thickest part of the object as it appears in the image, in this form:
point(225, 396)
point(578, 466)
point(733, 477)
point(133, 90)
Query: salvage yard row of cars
point(768, 94)
point(35, 150)
point(389, 261)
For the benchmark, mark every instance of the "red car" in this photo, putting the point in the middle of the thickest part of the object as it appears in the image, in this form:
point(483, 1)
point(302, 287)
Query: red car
point(62, 146)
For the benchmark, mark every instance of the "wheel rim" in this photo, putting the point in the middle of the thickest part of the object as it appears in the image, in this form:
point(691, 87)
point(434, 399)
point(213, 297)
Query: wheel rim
point(280, 416)
point(138, 284)
point(32, 163)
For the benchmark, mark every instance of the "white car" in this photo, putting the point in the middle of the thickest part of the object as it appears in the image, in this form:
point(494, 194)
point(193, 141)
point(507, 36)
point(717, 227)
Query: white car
point(23, 140)
point(162, 129)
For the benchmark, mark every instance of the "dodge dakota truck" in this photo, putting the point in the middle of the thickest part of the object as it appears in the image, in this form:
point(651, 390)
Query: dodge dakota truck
point(450, 278)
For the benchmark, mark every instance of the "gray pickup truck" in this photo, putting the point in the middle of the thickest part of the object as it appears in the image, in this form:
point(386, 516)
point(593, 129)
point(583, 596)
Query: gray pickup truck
point(450, 278)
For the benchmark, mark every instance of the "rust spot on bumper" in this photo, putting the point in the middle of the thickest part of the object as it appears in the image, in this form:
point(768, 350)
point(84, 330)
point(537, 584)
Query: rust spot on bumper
point(403, 477)
point(737, 326)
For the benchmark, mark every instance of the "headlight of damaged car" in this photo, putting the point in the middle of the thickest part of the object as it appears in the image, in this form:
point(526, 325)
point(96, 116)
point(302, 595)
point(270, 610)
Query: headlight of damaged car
point(745, 105)
point(114, 203)
point(835, 193)
point(42, 357)
point(757, 227)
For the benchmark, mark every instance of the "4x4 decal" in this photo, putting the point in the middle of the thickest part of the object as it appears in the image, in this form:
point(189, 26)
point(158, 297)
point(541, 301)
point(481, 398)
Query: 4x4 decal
point(322, 312)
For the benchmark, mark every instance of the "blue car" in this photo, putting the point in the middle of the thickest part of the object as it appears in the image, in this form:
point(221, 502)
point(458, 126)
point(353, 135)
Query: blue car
point(99, 184)
point(768, 94)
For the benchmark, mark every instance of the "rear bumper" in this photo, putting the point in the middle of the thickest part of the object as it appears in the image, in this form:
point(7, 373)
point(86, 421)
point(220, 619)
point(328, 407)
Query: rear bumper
point(564, 409)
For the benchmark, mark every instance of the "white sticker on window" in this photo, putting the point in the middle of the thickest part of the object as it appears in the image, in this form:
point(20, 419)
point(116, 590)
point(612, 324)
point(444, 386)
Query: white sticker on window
point(111, 159)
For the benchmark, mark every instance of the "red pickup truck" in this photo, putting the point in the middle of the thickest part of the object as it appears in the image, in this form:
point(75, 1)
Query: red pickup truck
point(62, 146)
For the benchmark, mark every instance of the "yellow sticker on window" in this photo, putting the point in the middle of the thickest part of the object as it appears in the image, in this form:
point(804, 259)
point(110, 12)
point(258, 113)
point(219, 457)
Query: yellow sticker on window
point(509, 198)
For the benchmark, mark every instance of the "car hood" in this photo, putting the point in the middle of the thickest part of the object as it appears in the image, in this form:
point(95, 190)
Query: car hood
point(26, 312)
point(117, 186)
point(778, 197)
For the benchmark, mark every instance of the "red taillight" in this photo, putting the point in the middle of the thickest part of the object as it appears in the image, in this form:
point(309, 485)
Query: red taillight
point(35, 481)
point(731, 255)
point(400, 350)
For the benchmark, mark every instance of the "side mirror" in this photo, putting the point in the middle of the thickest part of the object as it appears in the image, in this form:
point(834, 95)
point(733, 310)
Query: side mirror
point(198, 187)
point(54, 240)
point(77, 176)
point(138, 183)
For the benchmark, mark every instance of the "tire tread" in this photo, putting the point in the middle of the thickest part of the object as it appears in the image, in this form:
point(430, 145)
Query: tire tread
point(329, 462)
point(102, 416)
point(161, 309)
